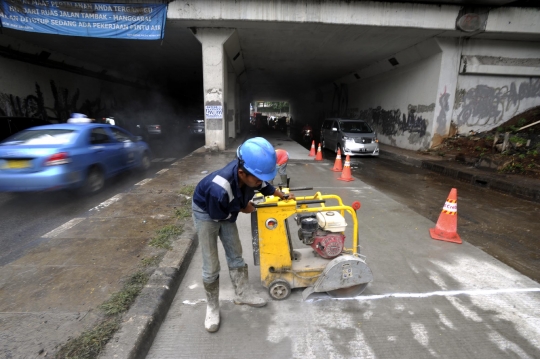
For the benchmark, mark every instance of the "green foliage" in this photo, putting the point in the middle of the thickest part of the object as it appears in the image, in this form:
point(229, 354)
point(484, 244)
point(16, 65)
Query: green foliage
point(150, 262)
point(517, 139)
point(187, 190)
point(163, 238)
point(521, 122)
point(122, 300)
point(89, 344)
point(182, 212)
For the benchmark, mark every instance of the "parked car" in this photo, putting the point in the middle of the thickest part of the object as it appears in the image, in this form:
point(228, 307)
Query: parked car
point(12, 125)
point(153, 130)
point(68, 156)
point(196, 126)
point(352, 137)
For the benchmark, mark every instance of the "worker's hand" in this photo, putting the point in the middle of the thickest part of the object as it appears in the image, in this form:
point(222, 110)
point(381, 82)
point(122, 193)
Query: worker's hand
point(291, 196)
point(249, 208)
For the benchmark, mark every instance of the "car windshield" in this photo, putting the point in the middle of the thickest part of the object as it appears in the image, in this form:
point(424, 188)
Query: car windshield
point(355, 127)
point(41, 137)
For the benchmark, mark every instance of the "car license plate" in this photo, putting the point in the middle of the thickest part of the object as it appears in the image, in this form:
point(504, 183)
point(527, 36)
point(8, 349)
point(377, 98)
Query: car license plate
point(17, 164)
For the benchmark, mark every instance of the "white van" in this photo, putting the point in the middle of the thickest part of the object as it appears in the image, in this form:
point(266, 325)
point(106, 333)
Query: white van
point(352, 137)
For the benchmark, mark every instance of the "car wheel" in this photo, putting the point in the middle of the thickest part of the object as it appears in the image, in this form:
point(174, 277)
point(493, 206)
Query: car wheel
point(145, 162)
point(95, 181)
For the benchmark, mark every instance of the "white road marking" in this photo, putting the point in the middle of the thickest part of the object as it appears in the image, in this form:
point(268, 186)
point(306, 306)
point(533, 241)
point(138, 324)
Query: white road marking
point(107, 203)
point(144, 181)
point(162, 171)
point(63, 227)
point(157, 159)
point(169, 160)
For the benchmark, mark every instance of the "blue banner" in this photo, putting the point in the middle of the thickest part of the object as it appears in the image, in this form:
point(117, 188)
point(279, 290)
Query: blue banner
point(119, 21)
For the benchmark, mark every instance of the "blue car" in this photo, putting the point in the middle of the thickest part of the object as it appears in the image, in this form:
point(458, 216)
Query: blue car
point(69, 156)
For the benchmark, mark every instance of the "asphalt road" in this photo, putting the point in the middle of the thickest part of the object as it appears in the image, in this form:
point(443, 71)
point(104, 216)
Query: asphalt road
point(26, 217)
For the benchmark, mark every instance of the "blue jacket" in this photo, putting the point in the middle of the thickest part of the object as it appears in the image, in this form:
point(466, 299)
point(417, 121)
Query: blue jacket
point(220, 197)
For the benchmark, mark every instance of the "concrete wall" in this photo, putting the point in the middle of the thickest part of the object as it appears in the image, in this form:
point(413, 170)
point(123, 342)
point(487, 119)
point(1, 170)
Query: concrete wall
point(493, 89)
point(399, 104)
point(30, 90)
point(34, 91)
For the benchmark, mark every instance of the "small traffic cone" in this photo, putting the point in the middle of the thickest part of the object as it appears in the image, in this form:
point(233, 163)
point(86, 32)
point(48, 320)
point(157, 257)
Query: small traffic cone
point(319, 153)
point(346, 174)
point(446, 228)
point(312, 151)
point(338, 167)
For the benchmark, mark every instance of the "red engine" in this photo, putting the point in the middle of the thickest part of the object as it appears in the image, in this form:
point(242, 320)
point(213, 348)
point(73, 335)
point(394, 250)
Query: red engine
point(327, 244)
point(330, 245)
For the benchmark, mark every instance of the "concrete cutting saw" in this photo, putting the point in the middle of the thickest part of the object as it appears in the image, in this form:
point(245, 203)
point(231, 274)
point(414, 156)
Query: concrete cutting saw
point(325, 265)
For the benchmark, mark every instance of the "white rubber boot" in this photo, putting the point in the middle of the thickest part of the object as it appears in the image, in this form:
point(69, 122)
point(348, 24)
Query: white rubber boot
point(244, 294)
point(211, 322)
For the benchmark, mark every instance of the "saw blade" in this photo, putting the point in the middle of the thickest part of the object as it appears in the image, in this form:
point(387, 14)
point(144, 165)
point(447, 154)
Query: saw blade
point(349, 292)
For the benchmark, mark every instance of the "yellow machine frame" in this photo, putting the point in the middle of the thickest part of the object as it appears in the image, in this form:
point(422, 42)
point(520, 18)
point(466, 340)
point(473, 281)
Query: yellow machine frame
point(278, 260)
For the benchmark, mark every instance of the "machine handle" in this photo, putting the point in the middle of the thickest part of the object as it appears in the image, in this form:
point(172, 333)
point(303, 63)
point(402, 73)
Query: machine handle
point(311, 201)
point(264, 205)
point(301, 189)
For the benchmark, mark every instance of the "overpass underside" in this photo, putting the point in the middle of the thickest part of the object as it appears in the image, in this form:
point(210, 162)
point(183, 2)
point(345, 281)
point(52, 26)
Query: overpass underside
point(417, 72)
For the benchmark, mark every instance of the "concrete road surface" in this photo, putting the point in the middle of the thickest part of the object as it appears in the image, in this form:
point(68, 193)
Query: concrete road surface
point(429, 298)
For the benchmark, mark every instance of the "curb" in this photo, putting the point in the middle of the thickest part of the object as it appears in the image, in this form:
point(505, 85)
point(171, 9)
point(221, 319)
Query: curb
point(142, 321)
point(485, 181)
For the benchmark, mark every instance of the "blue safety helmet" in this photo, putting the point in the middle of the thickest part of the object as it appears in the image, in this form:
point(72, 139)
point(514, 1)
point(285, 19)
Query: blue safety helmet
point(258, 157)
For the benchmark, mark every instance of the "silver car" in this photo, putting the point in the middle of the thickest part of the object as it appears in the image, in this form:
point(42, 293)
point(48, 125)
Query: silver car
point(352, 137)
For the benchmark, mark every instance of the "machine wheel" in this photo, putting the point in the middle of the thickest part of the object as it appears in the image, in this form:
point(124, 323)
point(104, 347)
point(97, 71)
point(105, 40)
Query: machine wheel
point(349, 292)
point(279, 289)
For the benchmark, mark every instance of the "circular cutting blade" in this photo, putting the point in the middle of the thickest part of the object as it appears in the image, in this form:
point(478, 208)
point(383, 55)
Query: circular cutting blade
point(348, 292)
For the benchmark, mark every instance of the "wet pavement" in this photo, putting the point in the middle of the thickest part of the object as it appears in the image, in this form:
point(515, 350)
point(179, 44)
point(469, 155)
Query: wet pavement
point(429, 298)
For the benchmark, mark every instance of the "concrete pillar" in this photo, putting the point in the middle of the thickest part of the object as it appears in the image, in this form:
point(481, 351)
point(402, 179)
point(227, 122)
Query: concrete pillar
point(231, 103)
point(214, 83)
point(444, 106)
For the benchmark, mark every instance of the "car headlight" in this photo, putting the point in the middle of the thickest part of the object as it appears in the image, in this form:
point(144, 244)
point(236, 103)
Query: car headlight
point(345, 138)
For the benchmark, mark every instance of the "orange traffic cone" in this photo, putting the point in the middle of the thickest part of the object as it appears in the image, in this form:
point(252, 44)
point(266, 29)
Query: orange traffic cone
point(346, 174)
point(338, 167)
point(312, 151)
point(446, 228)
point(319, 153)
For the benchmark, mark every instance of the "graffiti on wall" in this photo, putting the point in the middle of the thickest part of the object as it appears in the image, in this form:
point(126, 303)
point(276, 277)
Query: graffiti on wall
point(33, 105)
point(484, 105)
point(394, 123)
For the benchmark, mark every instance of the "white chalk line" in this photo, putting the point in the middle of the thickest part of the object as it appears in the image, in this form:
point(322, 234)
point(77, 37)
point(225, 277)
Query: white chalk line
point(443, 293)
point(411, 295)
